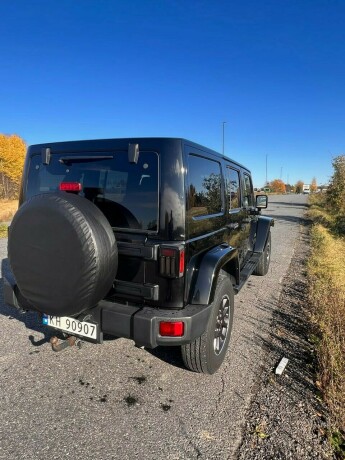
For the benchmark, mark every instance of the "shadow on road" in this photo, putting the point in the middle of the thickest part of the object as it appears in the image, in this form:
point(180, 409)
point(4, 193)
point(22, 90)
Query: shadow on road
point(287, 218)
point(31, 319)
point(284, 218)
point(282, 203)
point(170, 355)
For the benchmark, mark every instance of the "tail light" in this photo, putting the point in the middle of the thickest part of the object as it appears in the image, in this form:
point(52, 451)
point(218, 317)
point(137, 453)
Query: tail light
point(171, 329)
point(70, 187)
point(172, 262)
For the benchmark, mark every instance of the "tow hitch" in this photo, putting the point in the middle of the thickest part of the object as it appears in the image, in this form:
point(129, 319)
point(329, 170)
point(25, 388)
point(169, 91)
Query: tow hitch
point(68, 342)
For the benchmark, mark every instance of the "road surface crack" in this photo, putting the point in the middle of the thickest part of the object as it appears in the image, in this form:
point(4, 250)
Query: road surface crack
point(191, 442)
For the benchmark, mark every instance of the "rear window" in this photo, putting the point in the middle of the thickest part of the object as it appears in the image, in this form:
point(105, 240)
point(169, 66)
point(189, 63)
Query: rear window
point(125, 192)
point(233, 179)
point(205, 193)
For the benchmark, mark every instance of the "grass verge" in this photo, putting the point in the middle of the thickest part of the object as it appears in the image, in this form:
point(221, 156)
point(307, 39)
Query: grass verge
point(326, 275)
point(3, 230)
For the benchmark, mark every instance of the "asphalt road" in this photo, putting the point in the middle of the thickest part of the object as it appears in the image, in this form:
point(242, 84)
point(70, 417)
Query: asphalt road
point(116, 401)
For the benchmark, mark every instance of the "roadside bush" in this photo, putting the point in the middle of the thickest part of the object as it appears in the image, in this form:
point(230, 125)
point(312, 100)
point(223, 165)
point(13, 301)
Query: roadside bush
point(336, 189)
point(336, 195)
point(340, 224)
point(326, 275)
point(322, 210)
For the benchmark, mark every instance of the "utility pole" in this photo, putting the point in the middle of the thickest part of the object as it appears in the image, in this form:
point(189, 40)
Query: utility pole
point(224, 122)
point(266, 171)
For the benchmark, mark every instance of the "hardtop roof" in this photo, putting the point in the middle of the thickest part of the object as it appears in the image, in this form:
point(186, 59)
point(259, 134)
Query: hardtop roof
point(106, 144)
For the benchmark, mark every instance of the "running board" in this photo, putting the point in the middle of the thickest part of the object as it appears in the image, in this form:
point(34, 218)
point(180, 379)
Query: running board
point(247, 270)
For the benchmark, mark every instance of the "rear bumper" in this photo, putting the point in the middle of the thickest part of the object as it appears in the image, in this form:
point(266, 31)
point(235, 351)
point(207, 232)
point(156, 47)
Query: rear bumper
point(138, 323)
point(141, 324)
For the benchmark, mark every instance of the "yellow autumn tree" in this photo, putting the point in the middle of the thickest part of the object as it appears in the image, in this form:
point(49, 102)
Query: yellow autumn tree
point(313, 185)
point(12, 154)
point(277, 186)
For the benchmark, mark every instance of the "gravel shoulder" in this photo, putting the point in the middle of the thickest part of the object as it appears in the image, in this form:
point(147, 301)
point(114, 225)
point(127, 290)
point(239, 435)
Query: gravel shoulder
point(116, 401)
point(286, 418)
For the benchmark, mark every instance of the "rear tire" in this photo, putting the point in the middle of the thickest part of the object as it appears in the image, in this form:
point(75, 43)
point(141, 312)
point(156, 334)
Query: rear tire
point(264, 261)
point(206, 353)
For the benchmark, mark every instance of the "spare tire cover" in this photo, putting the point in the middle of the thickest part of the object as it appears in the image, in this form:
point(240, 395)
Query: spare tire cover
point(62, 252)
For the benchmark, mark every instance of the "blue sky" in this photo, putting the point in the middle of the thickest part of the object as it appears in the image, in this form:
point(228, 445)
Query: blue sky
point(274, 70)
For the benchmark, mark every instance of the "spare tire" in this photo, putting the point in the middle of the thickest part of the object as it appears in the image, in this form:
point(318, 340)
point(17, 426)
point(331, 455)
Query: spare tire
point(62, 252)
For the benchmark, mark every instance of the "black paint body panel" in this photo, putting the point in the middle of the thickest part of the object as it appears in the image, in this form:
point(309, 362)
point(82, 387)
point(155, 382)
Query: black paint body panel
point(226, 239)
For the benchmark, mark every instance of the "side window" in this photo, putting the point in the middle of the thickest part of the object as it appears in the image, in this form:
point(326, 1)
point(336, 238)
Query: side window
point(248, 191)
point(234, 189)
point(205, 192)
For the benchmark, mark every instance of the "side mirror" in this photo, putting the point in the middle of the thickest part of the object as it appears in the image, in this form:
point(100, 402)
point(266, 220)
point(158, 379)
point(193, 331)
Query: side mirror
point(261, 201)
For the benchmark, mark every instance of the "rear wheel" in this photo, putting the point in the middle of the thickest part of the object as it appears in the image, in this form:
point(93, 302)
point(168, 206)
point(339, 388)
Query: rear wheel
point(206, 353)
point(264, 261)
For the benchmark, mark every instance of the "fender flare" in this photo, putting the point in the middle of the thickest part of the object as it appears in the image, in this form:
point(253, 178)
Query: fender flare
point(222, 256)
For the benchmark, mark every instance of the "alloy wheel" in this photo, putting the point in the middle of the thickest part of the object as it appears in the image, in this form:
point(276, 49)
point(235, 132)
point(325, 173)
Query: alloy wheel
point(222, 325)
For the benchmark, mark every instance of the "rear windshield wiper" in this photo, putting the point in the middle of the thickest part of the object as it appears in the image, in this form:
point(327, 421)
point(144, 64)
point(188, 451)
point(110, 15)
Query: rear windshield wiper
point(74, 158)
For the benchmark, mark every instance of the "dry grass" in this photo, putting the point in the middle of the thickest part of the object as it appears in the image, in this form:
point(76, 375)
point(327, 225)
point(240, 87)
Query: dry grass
point(326, 270)
point(320, 216)
point(7, 209)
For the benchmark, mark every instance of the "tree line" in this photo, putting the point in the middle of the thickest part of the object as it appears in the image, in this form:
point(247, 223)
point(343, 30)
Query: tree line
point(278, 186)
point(336, 193)
point(12, 154)
point(335, 189)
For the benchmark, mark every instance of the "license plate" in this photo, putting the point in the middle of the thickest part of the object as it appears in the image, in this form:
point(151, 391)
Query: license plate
point(72, 326)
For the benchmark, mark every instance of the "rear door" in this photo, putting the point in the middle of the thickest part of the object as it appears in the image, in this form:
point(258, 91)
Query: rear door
point(126, 193)
point(249, 220)
point(237, 215)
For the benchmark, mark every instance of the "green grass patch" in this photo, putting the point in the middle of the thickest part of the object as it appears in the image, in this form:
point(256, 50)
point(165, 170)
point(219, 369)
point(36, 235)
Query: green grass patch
point(337, 441)
point(3, 230)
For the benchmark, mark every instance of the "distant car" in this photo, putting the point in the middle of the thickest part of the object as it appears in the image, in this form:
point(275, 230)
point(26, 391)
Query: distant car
point(145, 238)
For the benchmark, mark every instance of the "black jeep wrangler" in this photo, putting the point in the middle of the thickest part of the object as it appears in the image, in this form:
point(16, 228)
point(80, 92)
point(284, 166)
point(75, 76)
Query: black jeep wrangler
point(145, 238)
